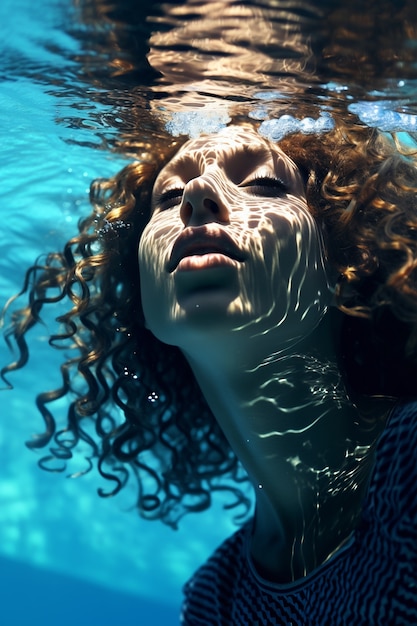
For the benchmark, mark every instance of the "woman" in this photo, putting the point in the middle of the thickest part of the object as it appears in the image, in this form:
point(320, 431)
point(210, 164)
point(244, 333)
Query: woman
point(236, 304)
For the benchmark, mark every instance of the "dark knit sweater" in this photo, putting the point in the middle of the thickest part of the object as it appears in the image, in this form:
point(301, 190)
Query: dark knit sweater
point(371, 581)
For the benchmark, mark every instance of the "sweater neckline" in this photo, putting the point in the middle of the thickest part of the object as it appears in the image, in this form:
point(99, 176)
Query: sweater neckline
point(300, 583)
point(337, 554)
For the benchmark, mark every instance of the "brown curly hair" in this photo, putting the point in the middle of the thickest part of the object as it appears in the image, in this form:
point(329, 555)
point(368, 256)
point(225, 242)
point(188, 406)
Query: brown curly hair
point(149, 417)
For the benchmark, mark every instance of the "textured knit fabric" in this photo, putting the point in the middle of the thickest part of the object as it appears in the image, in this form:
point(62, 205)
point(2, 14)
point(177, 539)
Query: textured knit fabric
point(372, 581)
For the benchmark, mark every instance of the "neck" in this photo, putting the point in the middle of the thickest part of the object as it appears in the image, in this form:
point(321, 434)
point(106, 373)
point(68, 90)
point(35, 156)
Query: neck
point(306, 448)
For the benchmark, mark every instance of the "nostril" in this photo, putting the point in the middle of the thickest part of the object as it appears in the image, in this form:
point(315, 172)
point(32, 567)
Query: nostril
point(186, 212)
point(211, 205)
point(200, 209)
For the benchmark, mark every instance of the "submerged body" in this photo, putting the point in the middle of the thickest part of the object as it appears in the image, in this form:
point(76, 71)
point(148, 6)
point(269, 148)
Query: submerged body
point(256, 304)
point(255, 328)
point(371, 580)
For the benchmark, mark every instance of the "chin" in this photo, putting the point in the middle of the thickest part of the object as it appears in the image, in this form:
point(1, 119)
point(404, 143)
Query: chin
point(198, 316)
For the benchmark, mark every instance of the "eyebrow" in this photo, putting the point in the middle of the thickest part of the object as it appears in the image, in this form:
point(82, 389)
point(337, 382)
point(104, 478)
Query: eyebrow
point(249, 159)
point(252, 154)
point(257, 151)
point(181, 162)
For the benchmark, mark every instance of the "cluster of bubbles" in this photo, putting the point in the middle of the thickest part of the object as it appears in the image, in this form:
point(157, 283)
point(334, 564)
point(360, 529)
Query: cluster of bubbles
point(130, 374)
point(382, 115)
point(153, 397)
point(111, 228)
point(277, 129)
point(194, 123)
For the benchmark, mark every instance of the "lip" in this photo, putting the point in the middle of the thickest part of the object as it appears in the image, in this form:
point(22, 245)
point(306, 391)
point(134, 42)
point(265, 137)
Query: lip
point(203, 240)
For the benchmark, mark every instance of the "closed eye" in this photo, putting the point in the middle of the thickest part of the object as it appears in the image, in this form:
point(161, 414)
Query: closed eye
point(170, 198)
point(267, 186)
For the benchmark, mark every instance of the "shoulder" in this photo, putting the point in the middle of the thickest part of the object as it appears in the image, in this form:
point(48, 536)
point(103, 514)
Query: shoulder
point(397, 447)
point(228, 557)
point(393, 488)
point(210, 594)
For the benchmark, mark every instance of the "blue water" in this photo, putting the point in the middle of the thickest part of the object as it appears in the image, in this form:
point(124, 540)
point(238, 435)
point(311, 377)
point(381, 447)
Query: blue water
point(66, 555)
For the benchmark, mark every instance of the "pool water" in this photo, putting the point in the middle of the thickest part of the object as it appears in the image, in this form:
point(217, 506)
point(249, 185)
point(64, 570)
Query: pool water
point(80, 81)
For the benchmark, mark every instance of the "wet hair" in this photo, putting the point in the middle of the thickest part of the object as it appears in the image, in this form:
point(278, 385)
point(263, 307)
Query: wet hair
point(361, 188)
point(133, 400)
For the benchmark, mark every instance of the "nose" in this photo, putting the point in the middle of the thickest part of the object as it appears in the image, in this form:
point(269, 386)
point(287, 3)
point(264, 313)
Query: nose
point(202, 203)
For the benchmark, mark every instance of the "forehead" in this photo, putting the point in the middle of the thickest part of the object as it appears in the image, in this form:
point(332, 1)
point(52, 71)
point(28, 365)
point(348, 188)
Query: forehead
point(227, 147)
point(231, 140)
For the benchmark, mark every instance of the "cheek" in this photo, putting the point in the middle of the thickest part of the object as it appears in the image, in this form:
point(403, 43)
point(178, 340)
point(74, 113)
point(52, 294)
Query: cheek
point(295, 252)
point(155, 246)
point(292, 237)
point(156, 283)
point(149, 261)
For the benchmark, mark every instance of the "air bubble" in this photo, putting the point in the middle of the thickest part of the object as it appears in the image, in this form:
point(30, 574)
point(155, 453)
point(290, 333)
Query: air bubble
point(193, 123)
point(277, 129)
point(381, 115)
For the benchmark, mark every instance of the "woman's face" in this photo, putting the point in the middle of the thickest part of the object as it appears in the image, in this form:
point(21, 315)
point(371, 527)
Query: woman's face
point(231, 244)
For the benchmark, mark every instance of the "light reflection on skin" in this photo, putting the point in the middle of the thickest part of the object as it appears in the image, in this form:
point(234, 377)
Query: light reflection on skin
point(282, 283)
point(233, 272)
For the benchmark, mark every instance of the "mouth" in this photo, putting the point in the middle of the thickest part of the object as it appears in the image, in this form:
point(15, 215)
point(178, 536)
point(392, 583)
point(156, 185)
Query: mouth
point(200, 241)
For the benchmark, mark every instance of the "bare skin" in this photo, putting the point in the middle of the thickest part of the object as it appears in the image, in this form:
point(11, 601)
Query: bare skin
point(234, 273)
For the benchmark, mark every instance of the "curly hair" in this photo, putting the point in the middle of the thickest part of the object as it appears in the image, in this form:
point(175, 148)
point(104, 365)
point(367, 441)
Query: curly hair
point(148, 415)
